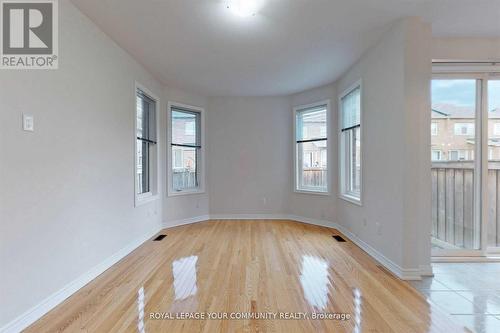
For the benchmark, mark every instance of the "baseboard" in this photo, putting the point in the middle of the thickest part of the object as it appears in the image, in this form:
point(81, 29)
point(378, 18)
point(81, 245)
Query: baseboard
point(36, 312)
point(249, 217)
point(190, 220)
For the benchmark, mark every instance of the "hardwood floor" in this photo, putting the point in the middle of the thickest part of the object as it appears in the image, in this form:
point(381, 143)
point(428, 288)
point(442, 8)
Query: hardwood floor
point(241, 266)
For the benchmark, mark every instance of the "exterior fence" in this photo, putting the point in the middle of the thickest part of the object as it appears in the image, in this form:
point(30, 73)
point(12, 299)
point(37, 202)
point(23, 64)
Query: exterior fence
point(453, 203)
point(184, 179)
point(314, 177)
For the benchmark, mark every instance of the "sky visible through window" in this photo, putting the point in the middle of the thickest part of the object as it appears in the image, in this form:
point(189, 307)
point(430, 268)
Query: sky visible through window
point(461, 93)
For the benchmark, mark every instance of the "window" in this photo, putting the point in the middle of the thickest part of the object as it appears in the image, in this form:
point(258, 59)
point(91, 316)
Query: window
point(459, 155)
point(434, 129)
point(146, 147)
point(311, 148)
point(464, 129)
point(186, 149)
point(436, 155)
point(350, 144)
point(496, 129)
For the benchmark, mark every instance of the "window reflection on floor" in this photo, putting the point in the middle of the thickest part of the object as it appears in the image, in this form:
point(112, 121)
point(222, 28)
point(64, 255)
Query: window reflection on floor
point(314, 280)
point(184, 271)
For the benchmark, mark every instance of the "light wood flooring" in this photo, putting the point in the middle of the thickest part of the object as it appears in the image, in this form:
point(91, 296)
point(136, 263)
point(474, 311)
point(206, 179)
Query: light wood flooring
point(243, 267)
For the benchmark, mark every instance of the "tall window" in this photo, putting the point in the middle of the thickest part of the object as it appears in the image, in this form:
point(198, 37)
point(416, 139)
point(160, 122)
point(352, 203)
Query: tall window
point(350, 144)
point(311, 148)
point(145, 144)
point(185, 149)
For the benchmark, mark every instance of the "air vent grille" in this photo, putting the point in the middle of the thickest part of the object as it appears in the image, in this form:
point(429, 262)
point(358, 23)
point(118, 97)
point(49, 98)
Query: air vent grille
point(339, 238)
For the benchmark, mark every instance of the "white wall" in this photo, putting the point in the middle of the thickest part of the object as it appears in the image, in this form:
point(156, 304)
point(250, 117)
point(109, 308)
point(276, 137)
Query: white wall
point(249, 141)
point(67, 198)
point(394, 136)
point(179, 209)
point(471, 49)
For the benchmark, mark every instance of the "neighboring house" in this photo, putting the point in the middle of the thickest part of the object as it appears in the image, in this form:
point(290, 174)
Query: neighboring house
point(453, 133)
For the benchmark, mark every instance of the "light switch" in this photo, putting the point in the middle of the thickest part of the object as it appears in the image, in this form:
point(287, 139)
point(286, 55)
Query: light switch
point(28, 122)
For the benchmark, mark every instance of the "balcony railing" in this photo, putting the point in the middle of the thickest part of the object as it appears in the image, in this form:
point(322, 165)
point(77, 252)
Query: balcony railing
point(453, 204)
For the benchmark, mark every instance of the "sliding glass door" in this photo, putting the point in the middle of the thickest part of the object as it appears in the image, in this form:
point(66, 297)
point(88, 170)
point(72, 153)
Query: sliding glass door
point(465, 164)
point(455, 137)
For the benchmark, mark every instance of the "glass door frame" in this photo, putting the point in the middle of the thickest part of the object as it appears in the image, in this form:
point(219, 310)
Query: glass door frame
point(480, 161)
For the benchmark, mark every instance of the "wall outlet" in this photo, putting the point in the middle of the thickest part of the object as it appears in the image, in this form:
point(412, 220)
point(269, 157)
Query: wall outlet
point(364, 222)
point(264, 200)
point(378, 226)
point(28, 122)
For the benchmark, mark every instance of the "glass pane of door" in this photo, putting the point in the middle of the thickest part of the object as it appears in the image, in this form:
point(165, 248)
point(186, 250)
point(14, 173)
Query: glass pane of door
point(493, 180)
point(453, 155)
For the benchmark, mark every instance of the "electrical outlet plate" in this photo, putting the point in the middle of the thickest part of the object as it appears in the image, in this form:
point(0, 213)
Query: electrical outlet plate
point(28, 122)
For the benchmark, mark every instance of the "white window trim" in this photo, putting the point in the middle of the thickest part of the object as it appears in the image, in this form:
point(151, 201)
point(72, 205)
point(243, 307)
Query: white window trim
point(201, 166)
point(296, 109)
point(343, 194)
point(153, 194)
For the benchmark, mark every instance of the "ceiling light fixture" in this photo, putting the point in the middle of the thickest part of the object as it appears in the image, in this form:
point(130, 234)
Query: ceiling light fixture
point(244, 8)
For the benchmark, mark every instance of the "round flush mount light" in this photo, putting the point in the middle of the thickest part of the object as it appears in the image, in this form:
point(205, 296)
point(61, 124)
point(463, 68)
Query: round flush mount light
point(244, 8)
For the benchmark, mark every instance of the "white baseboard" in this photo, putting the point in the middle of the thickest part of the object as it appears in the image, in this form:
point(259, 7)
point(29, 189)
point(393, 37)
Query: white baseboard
point(249, 217)
point(36, 312)
point(176, 223)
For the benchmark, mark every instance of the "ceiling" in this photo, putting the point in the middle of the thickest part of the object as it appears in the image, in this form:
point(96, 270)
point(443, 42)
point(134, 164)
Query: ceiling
point(287, 47)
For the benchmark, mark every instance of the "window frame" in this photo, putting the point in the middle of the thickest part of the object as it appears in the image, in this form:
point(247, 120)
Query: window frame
point(467, 126)
point(154, 160)
point(343, 193)
point(296, 110)
point(434, 128)
point(200, 164)
point(440, 153)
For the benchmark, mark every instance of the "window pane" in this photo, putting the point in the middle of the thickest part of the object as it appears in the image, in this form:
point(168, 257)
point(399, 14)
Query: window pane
point(312, 165)
point(493, 163)
point(146, 120)
point(146, 138)
point(350, 154)
point(185, 127)
point(354, 167)
point(351, 104)
point(453, 171)
point(184, 168)
point(142, 167)
point(311, 123)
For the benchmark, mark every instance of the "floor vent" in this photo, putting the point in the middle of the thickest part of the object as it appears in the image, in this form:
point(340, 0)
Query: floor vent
point(339, 238)
point(160, 237)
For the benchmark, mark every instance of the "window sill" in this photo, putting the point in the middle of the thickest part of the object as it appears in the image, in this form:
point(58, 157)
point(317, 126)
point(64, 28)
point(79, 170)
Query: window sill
point(352, 199)
point(145, 199)
point(312, 192)
point(187, 192)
